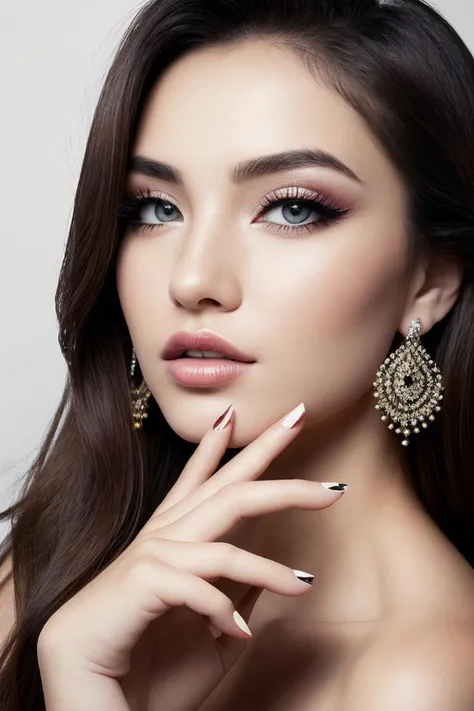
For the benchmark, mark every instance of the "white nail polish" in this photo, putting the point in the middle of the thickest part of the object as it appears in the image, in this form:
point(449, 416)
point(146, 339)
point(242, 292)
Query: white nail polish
point(294, 416)
point(240, 622)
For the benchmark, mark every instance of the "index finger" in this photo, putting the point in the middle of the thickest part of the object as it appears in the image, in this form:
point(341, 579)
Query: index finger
point(248, 464)
point(202, 462)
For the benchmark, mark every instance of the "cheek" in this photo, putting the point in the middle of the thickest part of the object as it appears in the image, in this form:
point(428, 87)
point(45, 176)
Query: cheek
point(135, 286)
point(334, 323)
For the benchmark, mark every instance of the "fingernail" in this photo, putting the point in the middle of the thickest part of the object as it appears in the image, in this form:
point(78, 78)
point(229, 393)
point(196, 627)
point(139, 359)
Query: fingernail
point(334, 485)
point(241, 623)
point(224, 419)
point(304, 577)
point(294, 417)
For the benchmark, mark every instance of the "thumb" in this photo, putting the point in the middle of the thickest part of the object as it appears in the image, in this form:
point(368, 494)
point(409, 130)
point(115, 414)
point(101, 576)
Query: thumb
point(229, 647)
point(246, 606)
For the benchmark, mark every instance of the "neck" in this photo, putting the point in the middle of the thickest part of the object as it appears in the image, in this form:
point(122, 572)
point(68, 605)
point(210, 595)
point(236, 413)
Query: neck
point(361, 548)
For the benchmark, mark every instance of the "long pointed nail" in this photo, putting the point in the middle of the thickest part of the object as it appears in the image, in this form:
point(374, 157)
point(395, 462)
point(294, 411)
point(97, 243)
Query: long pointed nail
point(294, 416)
point(224, 419)
point(240, 622)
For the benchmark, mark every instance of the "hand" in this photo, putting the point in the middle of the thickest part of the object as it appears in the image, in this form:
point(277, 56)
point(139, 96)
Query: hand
point(107, 632)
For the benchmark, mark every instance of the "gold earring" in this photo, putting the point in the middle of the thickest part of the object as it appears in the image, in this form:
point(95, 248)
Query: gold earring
point(139, 397)
point(409, 386)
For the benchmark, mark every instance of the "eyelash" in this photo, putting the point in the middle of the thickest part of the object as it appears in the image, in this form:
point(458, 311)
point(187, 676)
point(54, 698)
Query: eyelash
point(329, 212)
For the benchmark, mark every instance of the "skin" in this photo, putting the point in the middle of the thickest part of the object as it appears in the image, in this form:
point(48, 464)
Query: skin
point(318, 312)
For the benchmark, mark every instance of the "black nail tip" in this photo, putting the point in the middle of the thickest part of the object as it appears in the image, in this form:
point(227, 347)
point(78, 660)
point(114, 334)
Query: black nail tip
point(306, 579)
point(339, 487)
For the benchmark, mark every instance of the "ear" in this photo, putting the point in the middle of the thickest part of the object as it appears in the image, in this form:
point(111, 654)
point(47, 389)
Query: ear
point(435, 287)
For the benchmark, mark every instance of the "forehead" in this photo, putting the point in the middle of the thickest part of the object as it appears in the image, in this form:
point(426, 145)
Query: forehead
point(222, 105)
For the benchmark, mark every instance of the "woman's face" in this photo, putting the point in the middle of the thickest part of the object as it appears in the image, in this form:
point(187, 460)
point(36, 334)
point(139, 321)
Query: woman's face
point(313, 295)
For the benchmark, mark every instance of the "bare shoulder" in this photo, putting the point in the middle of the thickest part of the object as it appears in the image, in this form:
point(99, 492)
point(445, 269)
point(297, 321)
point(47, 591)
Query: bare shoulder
point(422, 658)
point(418, 665)
point(7, 604)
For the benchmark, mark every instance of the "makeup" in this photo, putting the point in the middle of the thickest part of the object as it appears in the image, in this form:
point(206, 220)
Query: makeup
point(205, 372)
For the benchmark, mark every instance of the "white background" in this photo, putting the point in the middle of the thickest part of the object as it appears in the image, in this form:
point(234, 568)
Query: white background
point(53, 58)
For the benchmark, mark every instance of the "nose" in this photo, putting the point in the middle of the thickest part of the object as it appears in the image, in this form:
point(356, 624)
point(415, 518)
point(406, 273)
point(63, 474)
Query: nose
point(206, 271)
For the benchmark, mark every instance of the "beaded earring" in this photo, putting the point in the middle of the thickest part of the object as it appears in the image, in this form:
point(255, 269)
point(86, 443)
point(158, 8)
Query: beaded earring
point(139, 397)
point(409, 386)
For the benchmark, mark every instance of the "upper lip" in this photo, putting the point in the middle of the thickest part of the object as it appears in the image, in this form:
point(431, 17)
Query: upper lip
point(201, 341)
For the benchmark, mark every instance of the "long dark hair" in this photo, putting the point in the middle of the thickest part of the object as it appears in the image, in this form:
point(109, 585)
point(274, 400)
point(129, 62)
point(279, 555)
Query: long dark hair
point(96, 480)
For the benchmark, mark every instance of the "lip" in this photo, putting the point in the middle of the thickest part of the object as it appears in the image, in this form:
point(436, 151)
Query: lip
point(202, 341)
point(205, 372)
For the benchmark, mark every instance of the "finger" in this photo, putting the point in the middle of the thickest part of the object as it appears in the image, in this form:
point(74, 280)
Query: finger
point(252, 461)
point(218, 514)
point(203, 463)
point(249, 464)
point(174, 588)
point(230, 648)
point(216, 560)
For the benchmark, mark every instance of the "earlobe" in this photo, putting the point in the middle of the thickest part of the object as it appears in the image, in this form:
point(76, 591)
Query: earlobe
point(437, 295)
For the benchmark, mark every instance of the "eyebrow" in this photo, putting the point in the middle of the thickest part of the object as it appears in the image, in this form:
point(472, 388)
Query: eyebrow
point(249, 169)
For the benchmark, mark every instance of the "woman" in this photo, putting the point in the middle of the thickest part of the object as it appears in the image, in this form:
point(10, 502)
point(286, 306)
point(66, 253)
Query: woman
point(291, 183)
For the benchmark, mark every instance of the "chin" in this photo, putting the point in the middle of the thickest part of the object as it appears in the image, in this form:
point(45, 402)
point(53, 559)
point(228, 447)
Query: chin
point(240, 436)
point(186, 427)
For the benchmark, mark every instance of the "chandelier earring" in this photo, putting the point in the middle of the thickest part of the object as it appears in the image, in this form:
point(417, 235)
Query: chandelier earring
point(409, 386)
point(139, 397)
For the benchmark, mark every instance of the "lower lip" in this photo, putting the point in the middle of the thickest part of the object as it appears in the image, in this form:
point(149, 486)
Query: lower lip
point(205, 371)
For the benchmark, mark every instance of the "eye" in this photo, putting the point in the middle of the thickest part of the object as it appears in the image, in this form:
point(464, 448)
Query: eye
point(295, 212)
point(298, 209)
point(147, 210)
point(157, 209)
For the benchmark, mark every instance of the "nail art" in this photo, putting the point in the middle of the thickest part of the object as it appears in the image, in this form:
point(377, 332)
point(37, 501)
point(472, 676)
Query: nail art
point(304, 577)
point(224, 419)
point(333, 485)
point(294, 416)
